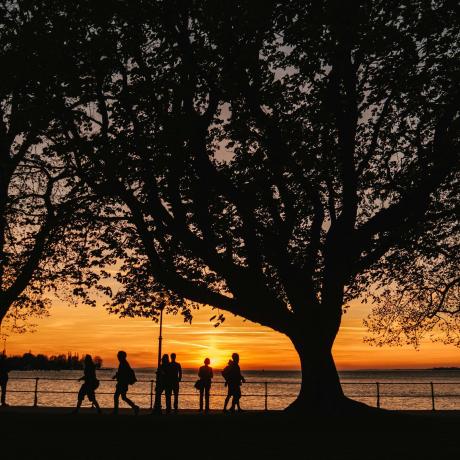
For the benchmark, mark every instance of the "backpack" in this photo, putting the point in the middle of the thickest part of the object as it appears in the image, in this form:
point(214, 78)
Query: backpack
point(199, 384)
point(226, 373)
point(131, 377)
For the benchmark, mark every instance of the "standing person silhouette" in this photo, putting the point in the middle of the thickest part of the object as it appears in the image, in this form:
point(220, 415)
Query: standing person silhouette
point(164, 384)
point(3, 378)
point(125, 376)
point(175, 376)
point(234, 380)
point(89, 386)
point(204, 384)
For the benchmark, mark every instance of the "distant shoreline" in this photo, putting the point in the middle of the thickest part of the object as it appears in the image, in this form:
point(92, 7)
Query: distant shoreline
point(193, 369)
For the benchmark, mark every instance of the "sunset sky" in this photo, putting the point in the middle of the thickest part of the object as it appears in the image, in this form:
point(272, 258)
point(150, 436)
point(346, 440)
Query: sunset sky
point(92, 330)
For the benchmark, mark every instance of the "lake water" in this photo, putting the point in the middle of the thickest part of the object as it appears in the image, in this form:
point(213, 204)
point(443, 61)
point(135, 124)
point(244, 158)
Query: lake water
point(399, 389)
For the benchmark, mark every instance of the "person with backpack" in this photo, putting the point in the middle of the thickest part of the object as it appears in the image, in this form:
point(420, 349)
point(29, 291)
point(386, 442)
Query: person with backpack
point(125, 376)
point(233, 379)
point(91, 383)
point(204, 383)
point(225, 374)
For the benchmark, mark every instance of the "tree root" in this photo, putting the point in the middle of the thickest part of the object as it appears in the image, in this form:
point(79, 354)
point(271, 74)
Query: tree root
point(332, 407)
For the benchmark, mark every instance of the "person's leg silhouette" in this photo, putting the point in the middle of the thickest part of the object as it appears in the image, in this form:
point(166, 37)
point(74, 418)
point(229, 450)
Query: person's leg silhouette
point(168, 391)
point(116, 399)
point(176, 396)
point(3, 389)
point(201, 398)
point(227, 399)
point(207, 391)
point(129, 402)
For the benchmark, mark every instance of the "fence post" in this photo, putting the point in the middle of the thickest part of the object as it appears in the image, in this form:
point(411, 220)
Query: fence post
point(432, 396)
point(151, 394)
point(266, 395)
point(36, 392)
point(378, 394)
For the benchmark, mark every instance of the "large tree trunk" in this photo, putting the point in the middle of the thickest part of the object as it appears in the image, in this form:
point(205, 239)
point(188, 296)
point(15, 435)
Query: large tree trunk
point(321, 391)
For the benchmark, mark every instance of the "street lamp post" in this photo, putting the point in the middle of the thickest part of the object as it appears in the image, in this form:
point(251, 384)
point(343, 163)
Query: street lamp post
point(160, 337)
point(157, 404)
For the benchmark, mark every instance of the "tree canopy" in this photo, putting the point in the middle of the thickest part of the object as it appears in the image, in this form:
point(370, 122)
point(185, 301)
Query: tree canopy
point(37, 193)
point(271, 159)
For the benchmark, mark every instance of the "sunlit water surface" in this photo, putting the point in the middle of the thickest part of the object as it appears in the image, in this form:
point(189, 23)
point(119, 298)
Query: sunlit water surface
point(398, 389)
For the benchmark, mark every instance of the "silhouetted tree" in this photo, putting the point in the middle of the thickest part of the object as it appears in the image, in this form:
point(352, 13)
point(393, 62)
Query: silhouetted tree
point(270, 159)
point(421, 301)
point(29, 361)
point(37, 194)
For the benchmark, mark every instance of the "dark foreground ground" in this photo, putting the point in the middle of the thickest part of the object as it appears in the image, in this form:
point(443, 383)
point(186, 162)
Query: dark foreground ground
point(55, 434)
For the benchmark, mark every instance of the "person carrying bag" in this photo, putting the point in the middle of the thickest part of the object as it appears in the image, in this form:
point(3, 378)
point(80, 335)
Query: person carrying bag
point(205, 375)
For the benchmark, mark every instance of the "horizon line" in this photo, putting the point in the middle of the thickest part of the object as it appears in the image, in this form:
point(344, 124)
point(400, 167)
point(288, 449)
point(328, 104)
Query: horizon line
point(299, 370)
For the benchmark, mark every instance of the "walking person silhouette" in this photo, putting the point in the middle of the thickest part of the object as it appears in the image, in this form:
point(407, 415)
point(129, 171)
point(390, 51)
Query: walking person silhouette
point(91, 383)
point(125, 376)
point(3, 378)
point(163, 384)
point(204, 384)
point(233, 380)
point(175, 376)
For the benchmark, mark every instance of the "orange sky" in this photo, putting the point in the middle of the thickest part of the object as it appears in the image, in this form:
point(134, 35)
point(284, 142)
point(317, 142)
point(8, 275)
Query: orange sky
point(92, 330)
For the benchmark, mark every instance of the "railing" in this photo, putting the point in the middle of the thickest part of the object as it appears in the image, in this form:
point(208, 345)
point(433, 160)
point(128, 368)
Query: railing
point(431, 387)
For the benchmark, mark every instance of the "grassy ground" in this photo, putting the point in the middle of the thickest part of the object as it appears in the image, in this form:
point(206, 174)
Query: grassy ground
point(49, 435)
